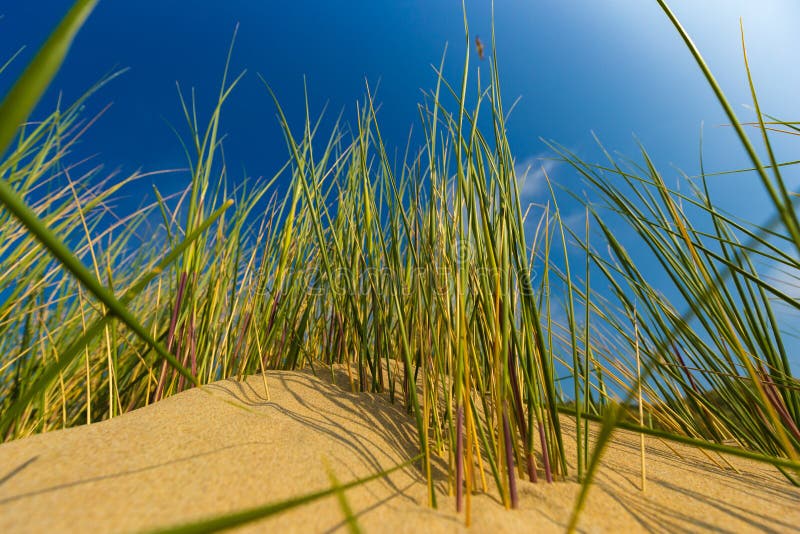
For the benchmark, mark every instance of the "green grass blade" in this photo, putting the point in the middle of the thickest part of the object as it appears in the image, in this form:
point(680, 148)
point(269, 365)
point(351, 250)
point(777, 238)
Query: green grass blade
point(30, 87)
point(260, 512)
point(97, 327)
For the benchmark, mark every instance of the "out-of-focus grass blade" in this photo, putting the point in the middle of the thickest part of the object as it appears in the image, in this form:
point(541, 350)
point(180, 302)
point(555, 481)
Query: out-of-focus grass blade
point(73, 264)
point(30, 87)
point(77, 346)
point(260, 512)
point(14, 110)
point(785, 211)
point(352, 522)
point(610, 421)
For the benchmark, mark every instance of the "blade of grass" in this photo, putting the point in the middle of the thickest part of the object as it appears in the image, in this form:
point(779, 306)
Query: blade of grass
point(260, 512)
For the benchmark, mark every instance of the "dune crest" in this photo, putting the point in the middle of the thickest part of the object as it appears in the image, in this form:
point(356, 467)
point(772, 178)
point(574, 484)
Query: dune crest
point(226, 448)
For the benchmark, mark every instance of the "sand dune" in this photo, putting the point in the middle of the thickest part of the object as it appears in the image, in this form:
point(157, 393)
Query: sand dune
point(226, 448)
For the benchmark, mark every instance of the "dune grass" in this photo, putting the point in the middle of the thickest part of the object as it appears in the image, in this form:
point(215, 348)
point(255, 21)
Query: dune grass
point(429, 280)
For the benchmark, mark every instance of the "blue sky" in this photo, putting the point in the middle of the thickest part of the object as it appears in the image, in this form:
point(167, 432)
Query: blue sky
point(615, 67)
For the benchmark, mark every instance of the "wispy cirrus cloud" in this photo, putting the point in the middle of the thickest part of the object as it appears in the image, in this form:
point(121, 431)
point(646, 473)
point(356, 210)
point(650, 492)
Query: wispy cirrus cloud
point(531, 175)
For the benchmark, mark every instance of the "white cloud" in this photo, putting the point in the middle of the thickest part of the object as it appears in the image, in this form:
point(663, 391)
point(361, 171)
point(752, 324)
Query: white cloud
point(530, 174)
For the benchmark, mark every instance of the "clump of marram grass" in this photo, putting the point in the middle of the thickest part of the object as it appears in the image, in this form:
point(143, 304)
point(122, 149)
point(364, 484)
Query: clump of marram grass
point(418, 278)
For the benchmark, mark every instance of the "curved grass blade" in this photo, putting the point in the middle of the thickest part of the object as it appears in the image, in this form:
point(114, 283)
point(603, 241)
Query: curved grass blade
point(30, 87)
point(73, 264)
point(77, 346)
point(780, 198)
point(785, 212)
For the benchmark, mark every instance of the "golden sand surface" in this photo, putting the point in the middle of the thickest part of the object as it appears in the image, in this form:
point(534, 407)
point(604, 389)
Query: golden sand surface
point(226, 448)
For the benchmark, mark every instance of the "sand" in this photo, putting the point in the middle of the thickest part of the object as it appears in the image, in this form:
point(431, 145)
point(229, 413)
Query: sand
point(226, 448)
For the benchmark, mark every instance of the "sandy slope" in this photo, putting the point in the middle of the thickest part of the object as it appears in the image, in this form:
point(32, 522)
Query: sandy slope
point(202, 453)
